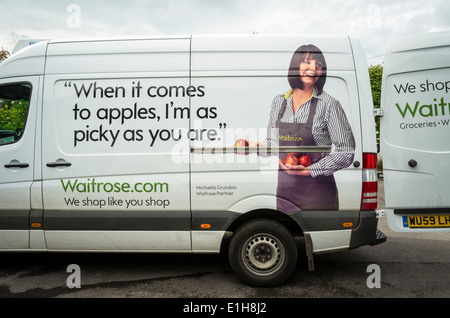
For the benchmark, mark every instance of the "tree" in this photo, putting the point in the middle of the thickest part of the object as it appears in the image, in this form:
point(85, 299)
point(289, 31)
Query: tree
point(3, 55)
point(376, 76)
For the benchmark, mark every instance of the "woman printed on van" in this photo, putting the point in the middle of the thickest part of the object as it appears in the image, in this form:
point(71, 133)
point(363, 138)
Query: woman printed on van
point(308, 116)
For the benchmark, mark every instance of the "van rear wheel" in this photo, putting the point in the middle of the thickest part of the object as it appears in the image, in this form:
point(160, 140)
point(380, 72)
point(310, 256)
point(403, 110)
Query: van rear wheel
point(263, 253)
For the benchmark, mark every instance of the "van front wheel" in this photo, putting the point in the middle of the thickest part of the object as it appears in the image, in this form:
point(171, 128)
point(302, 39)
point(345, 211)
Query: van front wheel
point(263, 253)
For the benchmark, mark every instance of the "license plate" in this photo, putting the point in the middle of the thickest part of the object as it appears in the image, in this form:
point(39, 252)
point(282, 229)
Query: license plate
point(426, 221)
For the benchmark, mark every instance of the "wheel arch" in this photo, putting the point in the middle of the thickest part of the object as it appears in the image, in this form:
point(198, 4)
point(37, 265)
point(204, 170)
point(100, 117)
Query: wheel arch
point(290, 223)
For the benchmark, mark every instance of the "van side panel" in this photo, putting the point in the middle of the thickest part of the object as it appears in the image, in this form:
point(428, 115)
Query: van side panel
point(241, 77)
point(114, 160)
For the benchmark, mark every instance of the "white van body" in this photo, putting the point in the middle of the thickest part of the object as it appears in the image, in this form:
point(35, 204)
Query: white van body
point(23, 43)
point(128, 146)
point(415, 128)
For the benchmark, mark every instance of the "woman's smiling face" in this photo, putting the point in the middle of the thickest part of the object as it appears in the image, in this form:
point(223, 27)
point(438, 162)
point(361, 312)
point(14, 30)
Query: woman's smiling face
point(310, 70)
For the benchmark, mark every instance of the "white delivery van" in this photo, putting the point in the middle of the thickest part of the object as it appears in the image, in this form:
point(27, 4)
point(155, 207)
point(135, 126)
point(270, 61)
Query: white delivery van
point(415, 128)
point(189, 145)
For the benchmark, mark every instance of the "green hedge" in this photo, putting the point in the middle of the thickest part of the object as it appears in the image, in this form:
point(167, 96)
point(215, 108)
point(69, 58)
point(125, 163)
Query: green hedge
point(13, 115)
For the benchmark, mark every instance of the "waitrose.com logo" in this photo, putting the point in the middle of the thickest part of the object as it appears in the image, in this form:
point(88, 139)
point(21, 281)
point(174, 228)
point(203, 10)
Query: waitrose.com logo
point(92, 186)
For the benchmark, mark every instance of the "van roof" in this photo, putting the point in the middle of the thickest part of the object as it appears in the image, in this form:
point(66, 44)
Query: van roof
point(418, 42)
point(23, 43)
point(417, 52)
point(78, 55)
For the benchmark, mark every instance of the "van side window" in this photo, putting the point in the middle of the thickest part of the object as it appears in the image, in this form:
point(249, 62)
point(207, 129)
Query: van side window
point(14, 104)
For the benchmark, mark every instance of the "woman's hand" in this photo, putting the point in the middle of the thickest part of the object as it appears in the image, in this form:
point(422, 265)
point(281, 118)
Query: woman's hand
point(298, 170)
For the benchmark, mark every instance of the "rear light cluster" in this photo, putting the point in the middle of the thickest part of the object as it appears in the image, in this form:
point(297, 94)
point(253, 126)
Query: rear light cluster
point(369, 196)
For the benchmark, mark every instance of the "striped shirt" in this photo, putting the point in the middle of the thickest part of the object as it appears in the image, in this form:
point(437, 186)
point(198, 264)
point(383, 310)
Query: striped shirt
point(330, 128)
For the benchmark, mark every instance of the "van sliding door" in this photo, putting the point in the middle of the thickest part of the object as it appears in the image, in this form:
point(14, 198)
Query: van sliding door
point(115, 171)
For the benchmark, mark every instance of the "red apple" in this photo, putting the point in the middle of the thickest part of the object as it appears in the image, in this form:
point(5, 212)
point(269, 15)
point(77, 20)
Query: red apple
point(241, 143)
point(291, 160)
point(304, 160)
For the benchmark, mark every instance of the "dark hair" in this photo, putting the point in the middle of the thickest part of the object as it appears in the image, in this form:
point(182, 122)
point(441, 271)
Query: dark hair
point(300, 54)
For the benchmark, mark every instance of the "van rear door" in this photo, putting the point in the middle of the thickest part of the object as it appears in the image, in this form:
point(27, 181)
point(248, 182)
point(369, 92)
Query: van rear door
point(414, 133)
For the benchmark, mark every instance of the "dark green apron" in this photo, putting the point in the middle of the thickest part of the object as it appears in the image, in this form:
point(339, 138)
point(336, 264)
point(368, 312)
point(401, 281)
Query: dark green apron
point(300, 193)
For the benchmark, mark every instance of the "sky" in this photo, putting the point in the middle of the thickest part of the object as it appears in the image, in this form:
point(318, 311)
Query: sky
point(372, 22)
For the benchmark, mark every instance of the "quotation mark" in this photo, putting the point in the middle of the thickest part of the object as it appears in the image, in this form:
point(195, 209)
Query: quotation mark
point(68, 84)
point(222, 125)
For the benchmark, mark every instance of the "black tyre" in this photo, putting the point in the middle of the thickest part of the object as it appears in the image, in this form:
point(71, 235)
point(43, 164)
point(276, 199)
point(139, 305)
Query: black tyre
point(263, 253)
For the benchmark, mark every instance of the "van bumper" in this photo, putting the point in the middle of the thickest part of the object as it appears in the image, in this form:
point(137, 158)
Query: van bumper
point(328, 224)
point(367, 232)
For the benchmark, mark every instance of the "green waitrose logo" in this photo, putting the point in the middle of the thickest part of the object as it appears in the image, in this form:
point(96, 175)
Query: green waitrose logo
point(440, 108)
point(92, 186)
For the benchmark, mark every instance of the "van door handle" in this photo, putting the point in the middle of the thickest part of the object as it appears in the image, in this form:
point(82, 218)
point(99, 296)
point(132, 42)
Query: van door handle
point(17, 165)
point(58, 164)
